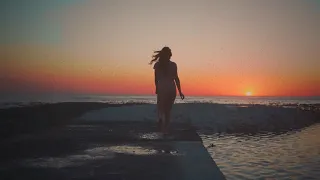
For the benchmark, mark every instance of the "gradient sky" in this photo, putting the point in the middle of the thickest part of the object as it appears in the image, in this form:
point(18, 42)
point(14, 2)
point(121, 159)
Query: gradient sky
point(270, 48)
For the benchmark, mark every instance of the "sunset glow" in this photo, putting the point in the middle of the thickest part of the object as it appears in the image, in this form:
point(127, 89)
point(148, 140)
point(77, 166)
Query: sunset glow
point(248, 93)
point(222, 48)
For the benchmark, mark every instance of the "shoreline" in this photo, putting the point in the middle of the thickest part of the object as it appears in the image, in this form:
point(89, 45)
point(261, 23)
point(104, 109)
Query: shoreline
point(302, 106)
point(41, 117)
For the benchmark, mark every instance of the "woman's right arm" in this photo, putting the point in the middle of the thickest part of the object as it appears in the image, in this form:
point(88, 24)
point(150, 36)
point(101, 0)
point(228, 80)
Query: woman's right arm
point(156, 80)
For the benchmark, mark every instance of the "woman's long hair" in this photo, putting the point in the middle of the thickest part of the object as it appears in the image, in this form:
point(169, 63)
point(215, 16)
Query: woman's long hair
point(163, 57)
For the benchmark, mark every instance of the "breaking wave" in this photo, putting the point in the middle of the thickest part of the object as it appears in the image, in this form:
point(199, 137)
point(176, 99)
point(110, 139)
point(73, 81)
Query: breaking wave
point(216, 118)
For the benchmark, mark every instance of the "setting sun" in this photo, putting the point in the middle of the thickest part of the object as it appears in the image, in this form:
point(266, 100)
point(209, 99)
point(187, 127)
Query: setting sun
point(248, 93)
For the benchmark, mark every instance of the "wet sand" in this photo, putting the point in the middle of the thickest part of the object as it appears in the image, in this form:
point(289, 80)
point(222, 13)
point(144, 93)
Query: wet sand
point(47, 142)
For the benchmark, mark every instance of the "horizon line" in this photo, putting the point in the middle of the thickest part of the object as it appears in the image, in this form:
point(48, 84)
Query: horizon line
point(128, 94)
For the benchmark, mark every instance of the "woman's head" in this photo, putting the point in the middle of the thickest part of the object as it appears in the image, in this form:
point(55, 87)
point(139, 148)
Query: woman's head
point(162, 56)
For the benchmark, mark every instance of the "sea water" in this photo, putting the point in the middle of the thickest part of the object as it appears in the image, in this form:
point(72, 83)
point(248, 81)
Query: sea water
point(12, 100)
point(293, 154)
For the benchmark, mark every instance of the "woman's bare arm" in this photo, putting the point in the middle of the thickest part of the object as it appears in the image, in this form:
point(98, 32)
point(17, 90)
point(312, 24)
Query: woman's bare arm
point(177, 80)
point(178, 84)
point(156, 80)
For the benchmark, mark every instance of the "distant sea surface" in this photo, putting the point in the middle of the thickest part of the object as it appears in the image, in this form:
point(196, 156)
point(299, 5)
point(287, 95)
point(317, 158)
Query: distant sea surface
point(25, 100)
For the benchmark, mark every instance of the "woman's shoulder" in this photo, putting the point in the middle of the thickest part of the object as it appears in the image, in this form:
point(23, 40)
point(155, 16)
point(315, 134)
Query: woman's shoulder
point(173, 64)
point(155, 66)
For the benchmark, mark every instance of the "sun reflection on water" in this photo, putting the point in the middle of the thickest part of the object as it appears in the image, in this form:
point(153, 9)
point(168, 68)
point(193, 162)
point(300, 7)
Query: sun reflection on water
point(294, 154)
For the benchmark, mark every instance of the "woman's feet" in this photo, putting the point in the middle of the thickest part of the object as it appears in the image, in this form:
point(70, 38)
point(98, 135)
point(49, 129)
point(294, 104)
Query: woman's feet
point(165, 131)
point(159, 124)
point(163, 123)
point(162, 127)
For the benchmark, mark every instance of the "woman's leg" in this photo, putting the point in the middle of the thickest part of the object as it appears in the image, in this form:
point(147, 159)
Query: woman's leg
point(168, 107)
point(158, 112)
point(161, 112)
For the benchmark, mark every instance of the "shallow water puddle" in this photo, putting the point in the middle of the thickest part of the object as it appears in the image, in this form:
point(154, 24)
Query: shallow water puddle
point(68, 161)
point(97, 153)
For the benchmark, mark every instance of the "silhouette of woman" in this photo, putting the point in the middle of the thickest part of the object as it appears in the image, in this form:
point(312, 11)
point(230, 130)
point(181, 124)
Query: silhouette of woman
point(166, 80)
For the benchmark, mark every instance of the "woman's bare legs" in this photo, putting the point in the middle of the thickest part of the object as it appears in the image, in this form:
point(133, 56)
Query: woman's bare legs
point(168, 107)
point(161, 112)
point(164, 106)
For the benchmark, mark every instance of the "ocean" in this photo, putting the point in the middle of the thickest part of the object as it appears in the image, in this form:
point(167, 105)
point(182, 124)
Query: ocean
point(286, 147)
point(31, 99)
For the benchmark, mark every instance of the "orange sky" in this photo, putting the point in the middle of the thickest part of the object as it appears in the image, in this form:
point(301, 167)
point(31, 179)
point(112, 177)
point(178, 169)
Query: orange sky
point(221, 47)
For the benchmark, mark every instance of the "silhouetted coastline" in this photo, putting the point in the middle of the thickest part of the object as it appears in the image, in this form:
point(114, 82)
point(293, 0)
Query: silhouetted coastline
point(41, 117)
